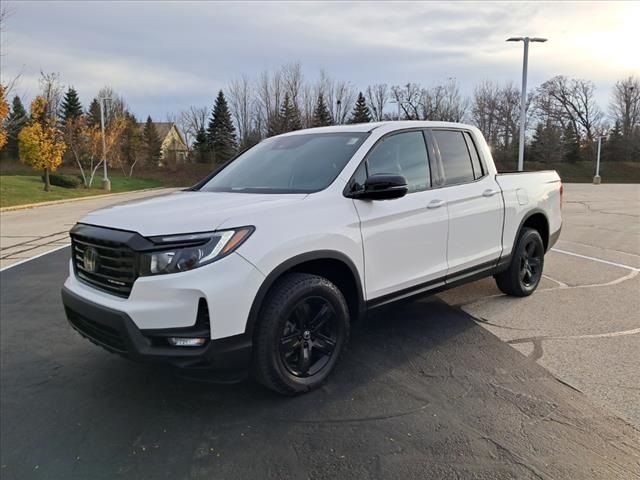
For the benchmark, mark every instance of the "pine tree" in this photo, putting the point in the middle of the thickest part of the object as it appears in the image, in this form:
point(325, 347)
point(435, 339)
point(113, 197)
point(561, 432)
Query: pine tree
point(545, 142)
point(16, 120)
point(132, 142)
point(201, 146)
point(615, 148)
point(93, 114)
point(152, 142)
point(361, 113)
point(570, 145)
point(221, 131)
point(71, 106)
point(289, 116)
point(321, 115)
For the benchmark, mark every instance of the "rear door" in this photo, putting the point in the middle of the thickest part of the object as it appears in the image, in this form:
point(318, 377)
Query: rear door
point(405, 239)
point(474, 203)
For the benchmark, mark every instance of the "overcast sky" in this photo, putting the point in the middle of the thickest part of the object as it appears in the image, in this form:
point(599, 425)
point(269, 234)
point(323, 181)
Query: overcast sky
point(164, 56)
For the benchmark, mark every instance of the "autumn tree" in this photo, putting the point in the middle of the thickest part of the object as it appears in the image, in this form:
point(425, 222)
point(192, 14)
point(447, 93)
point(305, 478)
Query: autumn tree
point(40, 142)
point(361, 113)
point(321, 115)
point(4, 112)
point(221, 131)
point(131, 144)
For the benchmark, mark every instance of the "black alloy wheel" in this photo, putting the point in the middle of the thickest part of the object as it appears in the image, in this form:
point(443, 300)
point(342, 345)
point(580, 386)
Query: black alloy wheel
point(531, 263)
point(309, 337)
point(301, 332)
point(524, 273)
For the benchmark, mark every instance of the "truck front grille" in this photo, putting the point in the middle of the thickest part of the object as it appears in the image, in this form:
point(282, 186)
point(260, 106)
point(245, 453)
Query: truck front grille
point(109, 266)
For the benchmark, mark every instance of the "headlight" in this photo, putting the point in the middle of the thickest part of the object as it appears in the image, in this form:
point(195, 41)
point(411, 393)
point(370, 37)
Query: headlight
point(186, 252)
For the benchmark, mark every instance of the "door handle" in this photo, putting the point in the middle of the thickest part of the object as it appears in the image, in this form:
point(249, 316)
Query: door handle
point(436, 203)
point(490, 192)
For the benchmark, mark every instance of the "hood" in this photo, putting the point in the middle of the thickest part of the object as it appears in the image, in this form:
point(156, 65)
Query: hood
point(185, 212)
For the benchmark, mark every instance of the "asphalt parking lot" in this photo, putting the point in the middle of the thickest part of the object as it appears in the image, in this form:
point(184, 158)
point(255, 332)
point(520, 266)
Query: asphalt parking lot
point(469, 384)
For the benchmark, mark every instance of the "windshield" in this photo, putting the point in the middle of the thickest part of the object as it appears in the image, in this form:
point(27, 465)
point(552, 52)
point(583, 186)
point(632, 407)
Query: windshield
point(302, 163)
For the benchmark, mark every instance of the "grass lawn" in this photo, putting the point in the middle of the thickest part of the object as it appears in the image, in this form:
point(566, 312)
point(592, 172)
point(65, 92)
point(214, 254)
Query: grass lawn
point(23, 189)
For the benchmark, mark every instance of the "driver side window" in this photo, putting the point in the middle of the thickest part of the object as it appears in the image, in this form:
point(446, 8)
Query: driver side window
point(401, 154)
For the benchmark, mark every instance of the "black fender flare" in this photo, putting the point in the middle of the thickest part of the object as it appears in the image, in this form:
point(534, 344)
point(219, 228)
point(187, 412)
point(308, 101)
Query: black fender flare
point(504, 259)
point(293, 262)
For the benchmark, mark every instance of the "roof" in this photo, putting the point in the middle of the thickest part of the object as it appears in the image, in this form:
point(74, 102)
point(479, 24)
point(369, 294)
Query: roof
point(161, 127)
point(368, 127)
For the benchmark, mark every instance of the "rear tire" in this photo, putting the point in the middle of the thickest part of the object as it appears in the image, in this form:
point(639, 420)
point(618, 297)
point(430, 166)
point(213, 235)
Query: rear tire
point(523, 275)
point(302, 330)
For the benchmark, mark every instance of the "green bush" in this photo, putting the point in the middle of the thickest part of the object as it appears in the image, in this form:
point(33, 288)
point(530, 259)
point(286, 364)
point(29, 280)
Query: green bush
point(64, 181)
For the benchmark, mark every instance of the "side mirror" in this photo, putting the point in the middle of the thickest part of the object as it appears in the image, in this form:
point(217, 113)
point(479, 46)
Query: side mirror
point(382, 186)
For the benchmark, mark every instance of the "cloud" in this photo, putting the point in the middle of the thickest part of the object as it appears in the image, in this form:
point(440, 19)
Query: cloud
point(164, 56)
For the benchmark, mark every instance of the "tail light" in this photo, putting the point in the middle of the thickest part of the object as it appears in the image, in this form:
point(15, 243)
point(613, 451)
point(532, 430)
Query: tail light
point(561, 193)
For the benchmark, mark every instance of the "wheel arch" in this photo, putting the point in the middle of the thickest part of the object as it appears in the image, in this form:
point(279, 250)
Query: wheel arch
point(331, 264)
point(537, 220)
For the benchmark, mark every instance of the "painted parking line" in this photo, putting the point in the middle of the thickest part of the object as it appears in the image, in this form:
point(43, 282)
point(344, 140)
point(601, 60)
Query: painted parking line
point(34, 257)
point(629, 267)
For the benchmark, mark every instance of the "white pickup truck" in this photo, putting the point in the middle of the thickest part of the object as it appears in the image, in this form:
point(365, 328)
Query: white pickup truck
point(263, 265)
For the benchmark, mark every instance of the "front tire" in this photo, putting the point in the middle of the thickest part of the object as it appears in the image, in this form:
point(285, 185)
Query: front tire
point(523, 275)
point(302, 330)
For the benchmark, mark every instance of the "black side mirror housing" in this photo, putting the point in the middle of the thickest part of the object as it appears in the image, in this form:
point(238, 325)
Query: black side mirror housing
point(382, 186)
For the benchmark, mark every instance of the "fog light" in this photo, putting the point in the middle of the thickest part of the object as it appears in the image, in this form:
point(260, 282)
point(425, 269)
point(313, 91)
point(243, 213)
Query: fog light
point(186, 342)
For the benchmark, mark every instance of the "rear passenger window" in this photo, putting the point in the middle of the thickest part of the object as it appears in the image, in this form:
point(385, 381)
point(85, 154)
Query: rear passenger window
point(402, 154)
point(478, 170)
point(456, 161)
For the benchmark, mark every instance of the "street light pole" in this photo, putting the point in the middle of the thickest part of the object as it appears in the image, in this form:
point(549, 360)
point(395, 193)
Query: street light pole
point(106, 183)
point(596, 178)
point(523, 93)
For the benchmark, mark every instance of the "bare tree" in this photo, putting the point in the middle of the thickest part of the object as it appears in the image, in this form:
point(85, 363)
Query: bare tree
point(485, 110)
point(270, 93)
point(409, 100)
point(51, 89)
point(625, 104)
point(509, 114)
point(293, 80)
point(241, 103)
point(443, 102)
point(190, 121)
point(377, 99)
point(570, 101)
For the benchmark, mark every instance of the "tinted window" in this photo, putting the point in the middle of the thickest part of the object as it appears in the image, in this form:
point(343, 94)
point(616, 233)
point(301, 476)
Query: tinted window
point(478, 170)
point(456, 161)
point(402, 154)
point(292, 164)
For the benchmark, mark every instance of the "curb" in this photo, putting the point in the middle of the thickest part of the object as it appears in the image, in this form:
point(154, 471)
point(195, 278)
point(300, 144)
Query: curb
point(79, 199)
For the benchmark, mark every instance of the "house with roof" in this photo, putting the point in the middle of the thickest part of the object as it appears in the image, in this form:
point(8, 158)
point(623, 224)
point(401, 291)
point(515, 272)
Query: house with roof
point(174, 149)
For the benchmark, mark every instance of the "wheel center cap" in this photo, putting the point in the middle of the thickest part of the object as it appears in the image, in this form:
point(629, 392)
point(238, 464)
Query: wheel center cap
point(306, 334)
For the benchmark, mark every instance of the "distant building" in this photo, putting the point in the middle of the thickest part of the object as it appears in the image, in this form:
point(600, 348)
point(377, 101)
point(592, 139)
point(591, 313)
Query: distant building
point(174, 149)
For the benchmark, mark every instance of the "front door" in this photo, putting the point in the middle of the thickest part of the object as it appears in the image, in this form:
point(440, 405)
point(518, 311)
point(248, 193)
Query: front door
point(404, 240)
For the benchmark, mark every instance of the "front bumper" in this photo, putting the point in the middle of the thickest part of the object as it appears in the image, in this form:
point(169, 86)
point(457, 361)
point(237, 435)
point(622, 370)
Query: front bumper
point(115, 331)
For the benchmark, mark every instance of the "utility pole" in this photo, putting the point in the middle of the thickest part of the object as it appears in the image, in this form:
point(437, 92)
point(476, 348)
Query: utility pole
point(106, 183)
point(523, 93)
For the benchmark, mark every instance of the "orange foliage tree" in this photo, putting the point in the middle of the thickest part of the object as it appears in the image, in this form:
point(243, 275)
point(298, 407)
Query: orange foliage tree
point(40, 143)
point(4, 111)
